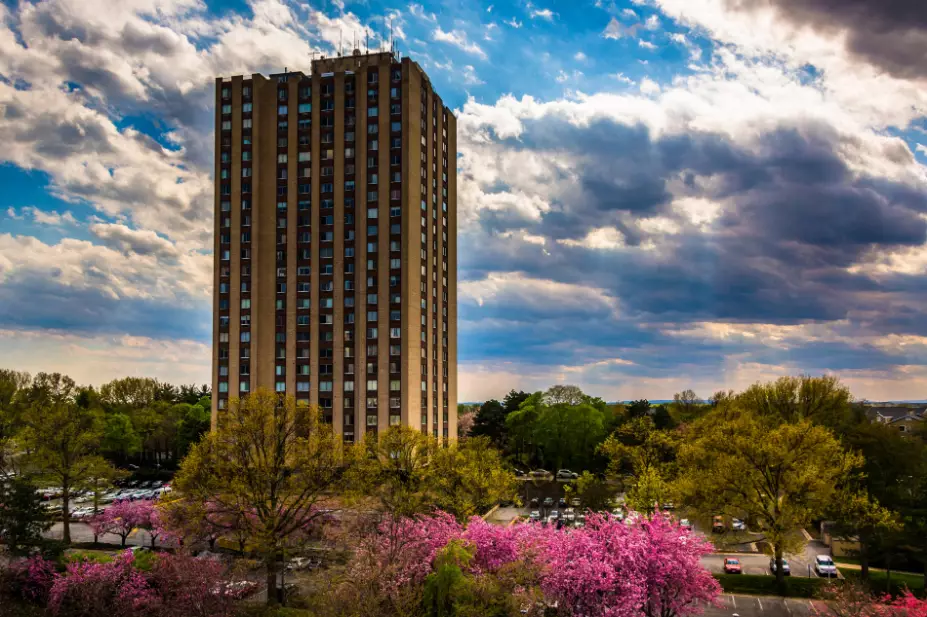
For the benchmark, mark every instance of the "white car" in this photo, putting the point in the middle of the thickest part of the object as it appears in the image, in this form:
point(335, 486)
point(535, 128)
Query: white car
point(569, 515)
point(535, 515)
point(685, 523)
point(825, 566)
point(618, 513)
point(737, 524)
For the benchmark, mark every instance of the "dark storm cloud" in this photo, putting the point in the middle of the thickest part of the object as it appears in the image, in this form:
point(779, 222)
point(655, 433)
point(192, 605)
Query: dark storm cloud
point(890, 34)
point(33, 303)
point(795, 219)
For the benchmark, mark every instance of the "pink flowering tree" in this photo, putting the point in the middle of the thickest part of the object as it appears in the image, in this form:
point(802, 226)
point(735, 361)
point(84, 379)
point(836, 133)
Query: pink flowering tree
point(612, 569)
point(594, 571)
point(192, 587)
point(27, 579)
point(122, 518)
point(152, 521)
point(674, 579)
point(494, 546)
point(114, 589)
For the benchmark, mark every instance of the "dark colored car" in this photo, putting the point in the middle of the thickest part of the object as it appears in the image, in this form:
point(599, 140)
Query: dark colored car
point(786, 571)
point(548, 502)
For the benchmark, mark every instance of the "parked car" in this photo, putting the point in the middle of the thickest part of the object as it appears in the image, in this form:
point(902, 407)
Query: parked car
point(534, 502)
point(548, 502)
point(738, 525)
point(562, 502)
point(717, 524)
point(669, 505)
point(298, 563)
point(786, 571)
point(618, 513)
point(534, 516)
point(575, 502)
point(731, 565)
point(569, 515)
point(685, 523)
point(566, 474)
point(539, 473)
point(518, 473)
point(554, 514)
point(552, 520)
point(824, 566)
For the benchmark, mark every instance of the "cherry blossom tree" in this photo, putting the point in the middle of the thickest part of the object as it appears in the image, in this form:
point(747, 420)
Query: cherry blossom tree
point(192, 587)
point(114, 589)
point(122, 518)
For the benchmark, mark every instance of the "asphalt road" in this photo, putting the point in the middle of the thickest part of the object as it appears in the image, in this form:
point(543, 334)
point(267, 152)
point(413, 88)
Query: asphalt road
point(753, 606)
point(81, 532)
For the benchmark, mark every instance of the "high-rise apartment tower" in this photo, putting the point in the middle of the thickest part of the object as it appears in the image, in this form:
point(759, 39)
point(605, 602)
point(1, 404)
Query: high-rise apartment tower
point(336, 243)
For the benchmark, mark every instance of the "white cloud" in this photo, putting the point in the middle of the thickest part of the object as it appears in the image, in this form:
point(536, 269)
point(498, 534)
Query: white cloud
point(601, 238)
point(649, 86)
point(616, 30)
point(629, 13)
point(43, 217)
point(624, 79)
point(458, 38)
point(98, 359)
point(580, 56)
point(470, 77)
point(418, 10)
point(545, 14)
point(512, 22)
point(517, 289)
point(652, 23)
point(646, 44)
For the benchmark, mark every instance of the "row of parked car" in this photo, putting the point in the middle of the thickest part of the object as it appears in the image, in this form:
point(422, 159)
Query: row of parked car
point(562, 474)
point(824, 566)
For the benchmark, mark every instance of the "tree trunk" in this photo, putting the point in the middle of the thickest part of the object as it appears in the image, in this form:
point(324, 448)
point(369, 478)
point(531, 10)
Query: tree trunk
point(863, 558)
point(271, 564)
point(780, 575)
point(124, 538)
point(65, 512)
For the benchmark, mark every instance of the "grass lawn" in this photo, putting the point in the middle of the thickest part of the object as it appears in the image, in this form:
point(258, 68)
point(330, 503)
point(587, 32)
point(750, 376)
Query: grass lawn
point(761, 585)
point(878, 580)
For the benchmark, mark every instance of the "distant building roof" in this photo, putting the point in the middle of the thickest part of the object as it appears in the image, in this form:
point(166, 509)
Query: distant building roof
point(895, 413)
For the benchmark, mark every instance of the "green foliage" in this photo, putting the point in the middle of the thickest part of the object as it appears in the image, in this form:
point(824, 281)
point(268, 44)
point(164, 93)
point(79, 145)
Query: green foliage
point(410, 473)
point(87, 557)
point(648, 491)
point(743, 464)
point(558, 428)
point(447, 586)
point(22, 516)
point(593, 492)
point(119, 437)
point(61, 440)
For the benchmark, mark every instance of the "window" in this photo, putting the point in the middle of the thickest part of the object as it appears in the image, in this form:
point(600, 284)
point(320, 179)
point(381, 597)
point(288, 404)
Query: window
point(246, 124)
point(371, 298)
point(304, 108)
point(372, 385)
point(281, 110)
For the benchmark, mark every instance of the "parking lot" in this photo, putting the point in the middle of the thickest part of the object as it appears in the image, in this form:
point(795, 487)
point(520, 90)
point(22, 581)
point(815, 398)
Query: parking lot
point(729, 605)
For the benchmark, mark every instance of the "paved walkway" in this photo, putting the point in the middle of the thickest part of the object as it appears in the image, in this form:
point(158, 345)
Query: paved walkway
point(730, 605)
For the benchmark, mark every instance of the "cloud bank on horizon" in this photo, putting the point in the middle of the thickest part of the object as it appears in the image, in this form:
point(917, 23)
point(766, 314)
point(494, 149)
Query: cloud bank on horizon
point(653, 194)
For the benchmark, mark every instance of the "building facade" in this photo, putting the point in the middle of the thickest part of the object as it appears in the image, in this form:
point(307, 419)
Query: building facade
point(336, 243)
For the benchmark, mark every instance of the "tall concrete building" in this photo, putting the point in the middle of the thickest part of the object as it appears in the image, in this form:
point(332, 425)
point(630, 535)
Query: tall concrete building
point(336, 243)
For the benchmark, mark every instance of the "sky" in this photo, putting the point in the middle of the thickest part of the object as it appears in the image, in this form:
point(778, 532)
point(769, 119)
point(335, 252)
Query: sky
point(653, 195)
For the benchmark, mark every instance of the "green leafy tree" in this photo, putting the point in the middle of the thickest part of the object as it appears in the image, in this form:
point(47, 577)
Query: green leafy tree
point(648, 490)
point(468, 478)
point(273, 465)
point(191, 428)
point(23, 518)
point(490, 422)
point(686, 406)
point(821, 400)
point(860, 517)
point(780, 475)
point(593, 492)
point(119, 437)
point(62, 440)
point(447, 586)
point(638, 409)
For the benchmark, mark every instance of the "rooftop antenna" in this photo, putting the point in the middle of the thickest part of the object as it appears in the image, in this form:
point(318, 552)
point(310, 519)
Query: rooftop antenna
point(341, 44)
point(367, 46)
point(390, 35)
